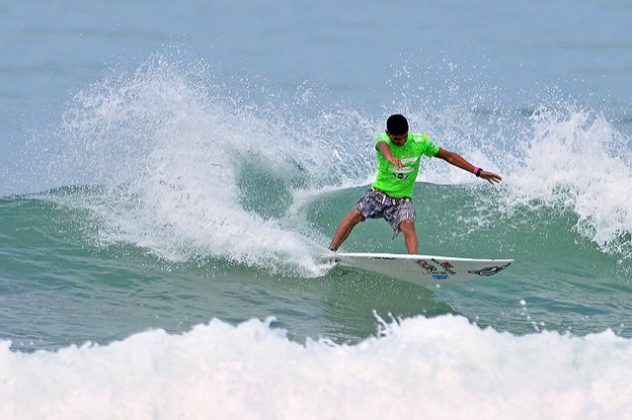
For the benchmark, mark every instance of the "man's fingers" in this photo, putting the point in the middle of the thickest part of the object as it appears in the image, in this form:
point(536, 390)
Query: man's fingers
point(491, 177)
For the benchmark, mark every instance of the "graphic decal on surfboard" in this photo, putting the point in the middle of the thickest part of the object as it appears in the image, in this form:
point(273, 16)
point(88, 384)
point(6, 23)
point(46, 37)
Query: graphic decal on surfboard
point(489, 271)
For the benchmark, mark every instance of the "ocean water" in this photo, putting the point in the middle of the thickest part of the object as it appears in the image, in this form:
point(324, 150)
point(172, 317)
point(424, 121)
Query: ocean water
point(170, 175)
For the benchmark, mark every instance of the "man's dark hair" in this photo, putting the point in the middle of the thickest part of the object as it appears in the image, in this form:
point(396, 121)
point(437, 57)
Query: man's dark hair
point(396, 124)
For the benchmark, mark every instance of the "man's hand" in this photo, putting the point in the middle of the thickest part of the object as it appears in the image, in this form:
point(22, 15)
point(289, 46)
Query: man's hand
point(396, 162)
point(386, 152)
point(491, 177)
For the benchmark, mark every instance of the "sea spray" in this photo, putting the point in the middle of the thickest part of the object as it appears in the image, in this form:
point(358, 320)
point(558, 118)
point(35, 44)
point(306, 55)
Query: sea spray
point(575, 159)
point(174, 159)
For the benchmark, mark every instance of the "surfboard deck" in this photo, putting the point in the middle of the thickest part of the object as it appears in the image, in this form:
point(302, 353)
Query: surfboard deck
point(423, 270)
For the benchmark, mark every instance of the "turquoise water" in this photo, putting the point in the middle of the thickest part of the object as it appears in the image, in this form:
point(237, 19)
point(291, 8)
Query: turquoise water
point(170, 176)
point(64, 285)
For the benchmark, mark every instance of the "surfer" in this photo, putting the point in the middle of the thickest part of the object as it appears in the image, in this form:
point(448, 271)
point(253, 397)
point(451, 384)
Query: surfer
point(398, 154)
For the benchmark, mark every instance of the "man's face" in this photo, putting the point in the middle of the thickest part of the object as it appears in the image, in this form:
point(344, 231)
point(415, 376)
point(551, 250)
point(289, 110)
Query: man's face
point(398, 139)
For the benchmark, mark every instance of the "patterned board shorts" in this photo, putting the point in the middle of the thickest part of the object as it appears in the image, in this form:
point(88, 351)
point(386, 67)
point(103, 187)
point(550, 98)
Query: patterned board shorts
point(375, 204)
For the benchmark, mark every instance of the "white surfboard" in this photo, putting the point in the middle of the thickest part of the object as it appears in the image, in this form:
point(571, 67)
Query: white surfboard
point(423, 270)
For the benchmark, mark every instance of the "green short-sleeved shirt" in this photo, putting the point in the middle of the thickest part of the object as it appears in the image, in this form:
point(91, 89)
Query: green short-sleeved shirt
point(399, 183)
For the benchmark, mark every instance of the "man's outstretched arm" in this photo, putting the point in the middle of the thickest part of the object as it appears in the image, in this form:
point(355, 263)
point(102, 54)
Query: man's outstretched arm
point(458, 161)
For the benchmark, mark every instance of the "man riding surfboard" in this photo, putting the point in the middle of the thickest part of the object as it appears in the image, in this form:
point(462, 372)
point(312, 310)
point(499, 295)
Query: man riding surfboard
point(398, 154)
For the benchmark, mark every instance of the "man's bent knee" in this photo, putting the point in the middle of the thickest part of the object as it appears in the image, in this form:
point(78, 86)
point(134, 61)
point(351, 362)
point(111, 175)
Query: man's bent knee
point(355, 216)
point(407, 226)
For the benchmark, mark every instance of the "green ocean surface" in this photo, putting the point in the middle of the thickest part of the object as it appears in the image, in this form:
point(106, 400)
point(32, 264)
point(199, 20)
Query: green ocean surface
point(61, 285)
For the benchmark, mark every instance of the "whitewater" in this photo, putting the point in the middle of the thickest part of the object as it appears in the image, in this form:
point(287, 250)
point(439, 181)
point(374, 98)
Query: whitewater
point(414, 368)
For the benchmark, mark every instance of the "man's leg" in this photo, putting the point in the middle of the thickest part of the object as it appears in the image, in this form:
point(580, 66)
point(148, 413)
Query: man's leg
point(345, 227)
point(407, 226)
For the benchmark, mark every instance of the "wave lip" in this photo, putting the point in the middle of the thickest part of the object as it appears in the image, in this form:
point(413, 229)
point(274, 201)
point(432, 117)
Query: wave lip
point(417, 367)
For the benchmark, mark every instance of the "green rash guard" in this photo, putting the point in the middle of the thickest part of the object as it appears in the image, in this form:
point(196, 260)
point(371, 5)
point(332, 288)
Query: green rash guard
point(399, 183)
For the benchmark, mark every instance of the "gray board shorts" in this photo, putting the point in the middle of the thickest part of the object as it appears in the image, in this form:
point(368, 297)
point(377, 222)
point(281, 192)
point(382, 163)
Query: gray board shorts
point(375, 204)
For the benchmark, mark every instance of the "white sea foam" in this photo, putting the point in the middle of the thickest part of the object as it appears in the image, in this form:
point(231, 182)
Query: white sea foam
point(443, 367)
